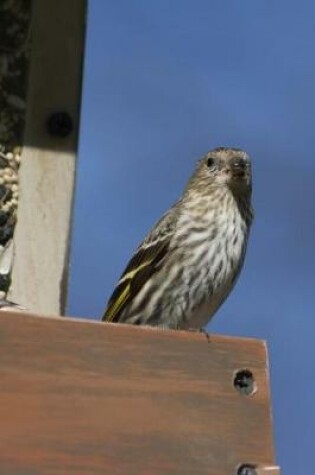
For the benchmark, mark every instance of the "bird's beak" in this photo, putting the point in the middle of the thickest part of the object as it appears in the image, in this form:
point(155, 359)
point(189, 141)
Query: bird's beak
point(238, 168)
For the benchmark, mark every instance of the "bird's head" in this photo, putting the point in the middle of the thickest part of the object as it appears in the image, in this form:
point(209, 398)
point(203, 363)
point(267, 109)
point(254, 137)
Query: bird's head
point(224, 166)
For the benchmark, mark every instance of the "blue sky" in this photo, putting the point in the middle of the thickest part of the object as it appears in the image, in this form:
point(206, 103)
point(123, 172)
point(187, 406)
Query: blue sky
point(166, 81)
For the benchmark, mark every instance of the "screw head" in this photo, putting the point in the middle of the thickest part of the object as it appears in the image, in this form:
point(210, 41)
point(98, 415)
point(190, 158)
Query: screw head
point(247, 469)
point(244, 382)
point(60, 124)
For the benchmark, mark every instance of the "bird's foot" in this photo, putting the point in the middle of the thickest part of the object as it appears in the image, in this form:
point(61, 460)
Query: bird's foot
point(206, 334)
point(201, 330)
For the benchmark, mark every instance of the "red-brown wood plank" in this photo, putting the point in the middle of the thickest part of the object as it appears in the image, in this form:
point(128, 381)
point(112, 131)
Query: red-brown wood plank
point(90, 398)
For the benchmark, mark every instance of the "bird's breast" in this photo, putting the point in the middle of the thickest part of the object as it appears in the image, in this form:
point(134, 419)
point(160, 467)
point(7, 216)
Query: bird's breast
point(213, 251)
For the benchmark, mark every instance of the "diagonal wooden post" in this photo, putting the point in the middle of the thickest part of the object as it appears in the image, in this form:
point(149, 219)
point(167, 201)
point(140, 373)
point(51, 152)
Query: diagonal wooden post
point(47, 171)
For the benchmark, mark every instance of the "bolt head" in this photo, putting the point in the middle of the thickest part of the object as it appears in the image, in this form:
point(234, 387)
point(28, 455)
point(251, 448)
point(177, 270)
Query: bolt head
point(60, 124)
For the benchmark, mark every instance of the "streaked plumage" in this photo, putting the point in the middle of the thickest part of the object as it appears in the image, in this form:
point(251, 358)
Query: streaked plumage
point(189, 262)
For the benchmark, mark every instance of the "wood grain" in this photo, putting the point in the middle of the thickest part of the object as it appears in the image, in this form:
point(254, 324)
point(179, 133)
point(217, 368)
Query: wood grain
point(81, 397)
point(47, 172)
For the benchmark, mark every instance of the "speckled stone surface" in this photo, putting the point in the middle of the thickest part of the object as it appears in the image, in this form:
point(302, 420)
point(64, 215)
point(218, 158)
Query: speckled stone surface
point(15, 16)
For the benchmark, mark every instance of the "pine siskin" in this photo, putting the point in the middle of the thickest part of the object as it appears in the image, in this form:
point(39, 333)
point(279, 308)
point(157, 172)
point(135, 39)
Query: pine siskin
point(190, 260)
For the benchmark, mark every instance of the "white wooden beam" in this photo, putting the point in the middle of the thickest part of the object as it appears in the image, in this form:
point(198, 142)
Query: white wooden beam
point(47, 171)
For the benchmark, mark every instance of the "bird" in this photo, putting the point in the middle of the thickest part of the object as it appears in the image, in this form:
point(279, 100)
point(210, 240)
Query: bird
point(188, 263)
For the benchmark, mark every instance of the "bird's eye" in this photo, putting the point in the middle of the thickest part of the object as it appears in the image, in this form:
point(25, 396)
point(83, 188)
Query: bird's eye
point(210, 162)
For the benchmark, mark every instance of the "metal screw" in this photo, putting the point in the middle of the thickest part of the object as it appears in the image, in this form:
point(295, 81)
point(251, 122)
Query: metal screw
point(60, 124)
point(247, 469)
point(244, 382)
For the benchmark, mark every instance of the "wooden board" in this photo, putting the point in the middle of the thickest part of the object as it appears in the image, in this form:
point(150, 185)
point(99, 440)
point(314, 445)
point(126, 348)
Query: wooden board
point(82, 397)
point(47, 172)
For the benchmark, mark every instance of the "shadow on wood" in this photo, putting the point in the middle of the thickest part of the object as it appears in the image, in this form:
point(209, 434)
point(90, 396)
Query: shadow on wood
point(84, 397)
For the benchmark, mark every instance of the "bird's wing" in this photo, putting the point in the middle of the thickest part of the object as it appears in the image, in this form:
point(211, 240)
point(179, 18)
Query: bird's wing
point(144, 263)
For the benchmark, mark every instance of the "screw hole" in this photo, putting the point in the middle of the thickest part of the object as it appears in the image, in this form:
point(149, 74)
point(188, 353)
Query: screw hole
point(244, 382)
